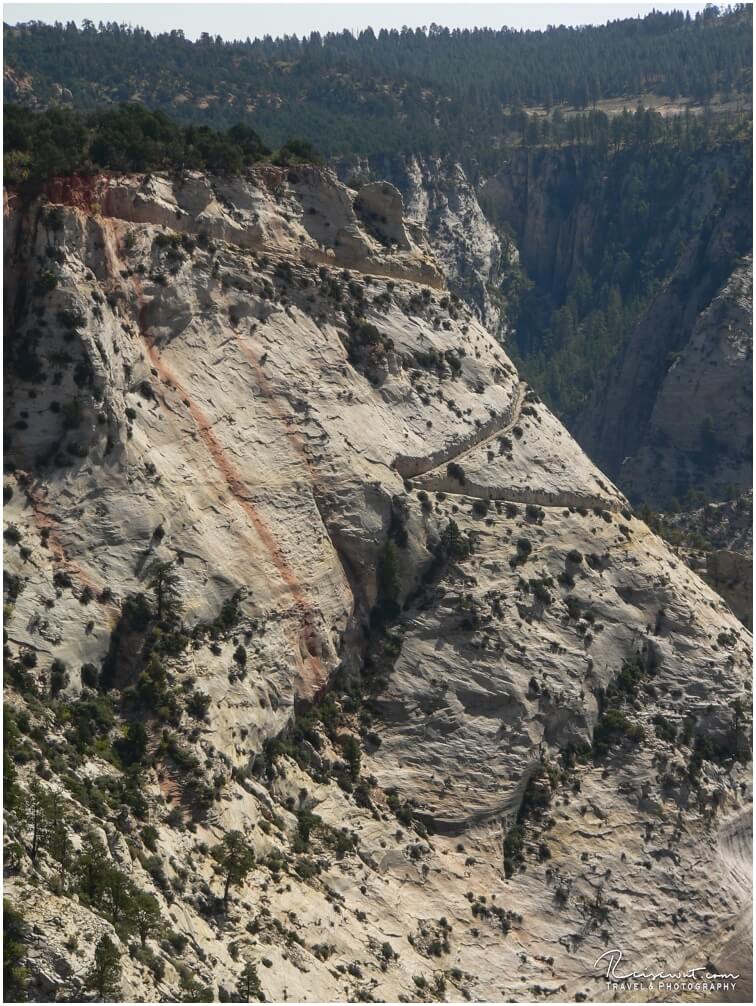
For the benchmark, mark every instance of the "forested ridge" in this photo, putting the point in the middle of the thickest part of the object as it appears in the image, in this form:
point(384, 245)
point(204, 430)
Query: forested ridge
point(411, 90)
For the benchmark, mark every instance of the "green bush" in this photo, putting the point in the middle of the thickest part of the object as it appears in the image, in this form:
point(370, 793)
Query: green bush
point(480, 507)
point(350, 748)
point(198, 704)
point(455, 471)
point(665, 729)
point(454, 544)
point(89, 719)
point(89, 675)
point(149, 837)
point(540, 593)
point(612, 727)
point(306, 823)
point(58, 677)
point(132, 747)
point(306, 868)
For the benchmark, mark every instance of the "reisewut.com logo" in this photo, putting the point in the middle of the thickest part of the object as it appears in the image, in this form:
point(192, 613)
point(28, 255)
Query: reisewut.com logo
point(698, 979)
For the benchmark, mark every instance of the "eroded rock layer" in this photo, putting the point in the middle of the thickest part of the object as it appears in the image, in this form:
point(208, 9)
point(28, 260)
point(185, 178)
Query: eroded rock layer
point(476, 721)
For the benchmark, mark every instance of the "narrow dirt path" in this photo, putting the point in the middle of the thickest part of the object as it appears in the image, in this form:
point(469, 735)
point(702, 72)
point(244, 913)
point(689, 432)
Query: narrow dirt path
point(519, 399)
point(412, 467)
point(423, 476)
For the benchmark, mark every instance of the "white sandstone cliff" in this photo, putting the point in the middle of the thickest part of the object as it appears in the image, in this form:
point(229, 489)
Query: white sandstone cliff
point(267, 403)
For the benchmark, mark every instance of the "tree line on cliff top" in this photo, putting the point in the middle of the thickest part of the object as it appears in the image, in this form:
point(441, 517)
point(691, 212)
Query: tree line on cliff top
point(60, 141)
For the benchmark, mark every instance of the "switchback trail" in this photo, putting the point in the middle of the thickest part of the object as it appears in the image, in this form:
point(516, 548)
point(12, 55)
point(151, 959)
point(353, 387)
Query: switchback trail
point(431, 472)
point(411, 467)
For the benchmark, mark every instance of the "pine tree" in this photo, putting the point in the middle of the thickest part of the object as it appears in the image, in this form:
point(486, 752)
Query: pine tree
point(90, 868)
point(34, 818)
point(144, 914)
point(118, 891)
point(236, 858)
point(453, 544)
point(249, 986)
point(104, 978)
point(164, 583)
point(57, 839)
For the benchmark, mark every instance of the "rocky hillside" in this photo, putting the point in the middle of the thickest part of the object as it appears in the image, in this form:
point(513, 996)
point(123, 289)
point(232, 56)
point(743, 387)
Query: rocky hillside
point(716, 540)
point(479, 262)
point(638, 332)
point(335, 670)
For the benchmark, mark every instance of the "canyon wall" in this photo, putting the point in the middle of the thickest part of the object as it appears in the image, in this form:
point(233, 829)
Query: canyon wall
point(474, 720)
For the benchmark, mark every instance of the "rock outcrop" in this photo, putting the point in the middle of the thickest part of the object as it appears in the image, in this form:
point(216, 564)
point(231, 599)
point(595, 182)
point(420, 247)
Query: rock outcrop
point(716, 540)
point(475, 720)
point(475, 259)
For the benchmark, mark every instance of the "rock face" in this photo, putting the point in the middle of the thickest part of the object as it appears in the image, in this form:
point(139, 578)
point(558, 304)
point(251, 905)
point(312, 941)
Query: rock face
point(476, 261)
point(731, 575)
point(675, 408)
point(716, 541)
point(416, 609)
point(528, 196)
point(703, 402)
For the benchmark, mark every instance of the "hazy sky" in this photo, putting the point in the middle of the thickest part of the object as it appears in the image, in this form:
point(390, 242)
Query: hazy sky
point(240, 20)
